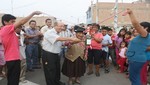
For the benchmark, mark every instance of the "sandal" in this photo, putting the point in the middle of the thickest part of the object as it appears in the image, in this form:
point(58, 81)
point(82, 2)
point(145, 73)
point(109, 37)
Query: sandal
point(77, 81)
point(90, 72)
point(70, 83)
point(2, 75)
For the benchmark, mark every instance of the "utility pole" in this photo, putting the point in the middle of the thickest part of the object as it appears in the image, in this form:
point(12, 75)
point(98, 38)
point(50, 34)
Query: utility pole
point(123, 8)
point(91, 16)
point(116, 15)
point(97, 12)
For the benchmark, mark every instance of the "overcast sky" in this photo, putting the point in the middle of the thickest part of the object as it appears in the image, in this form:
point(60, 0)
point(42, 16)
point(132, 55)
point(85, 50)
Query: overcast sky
point(68, 10)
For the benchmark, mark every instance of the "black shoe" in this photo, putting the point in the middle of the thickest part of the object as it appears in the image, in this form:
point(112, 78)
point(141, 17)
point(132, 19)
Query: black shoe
point(101, 66)
point(29, 70)
point(37, 67)
point(97, 74)
point(61, 83)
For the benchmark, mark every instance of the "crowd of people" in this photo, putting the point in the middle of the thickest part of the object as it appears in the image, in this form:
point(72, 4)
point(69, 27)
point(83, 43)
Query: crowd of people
point(24, 49)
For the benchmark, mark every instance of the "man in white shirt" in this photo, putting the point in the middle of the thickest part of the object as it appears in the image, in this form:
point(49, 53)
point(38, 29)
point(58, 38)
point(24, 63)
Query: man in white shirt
point(48, 26)
point(51, 46)
point(105, 43)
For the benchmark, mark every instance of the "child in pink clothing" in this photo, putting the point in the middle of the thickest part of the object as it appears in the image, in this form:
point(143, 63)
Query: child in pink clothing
point(122, 60)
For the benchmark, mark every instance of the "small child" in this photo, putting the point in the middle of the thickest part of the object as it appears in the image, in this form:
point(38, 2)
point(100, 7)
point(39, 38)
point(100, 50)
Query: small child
point(122, 60)
point(128, 37)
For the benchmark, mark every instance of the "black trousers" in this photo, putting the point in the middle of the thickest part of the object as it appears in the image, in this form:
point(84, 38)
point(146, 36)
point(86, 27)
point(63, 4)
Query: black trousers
point(51, 64)
point(94, 55)
point(13, 72)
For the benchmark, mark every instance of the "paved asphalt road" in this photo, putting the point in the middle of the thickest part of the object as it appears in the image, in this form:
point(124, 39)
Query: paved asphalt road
point(112, 78)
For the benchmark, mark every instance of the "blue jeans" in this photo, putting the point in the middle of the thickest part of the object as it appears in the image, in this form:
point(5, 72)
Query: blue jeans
point(32, 56)
point(62, 52)
point(134, 72)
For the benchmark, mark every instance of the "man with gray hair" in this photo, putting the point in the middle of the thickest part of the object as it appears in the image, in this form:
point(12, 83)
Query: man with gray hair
point(51, 46)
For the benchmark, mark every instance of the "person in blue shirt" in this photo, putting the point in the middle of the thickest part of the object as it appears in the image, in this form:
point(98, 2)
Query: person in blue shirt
point(136, 52)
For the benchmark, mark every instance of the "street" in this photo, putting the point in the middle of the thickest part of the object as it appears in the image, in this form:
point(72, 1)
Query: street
point(112, 78)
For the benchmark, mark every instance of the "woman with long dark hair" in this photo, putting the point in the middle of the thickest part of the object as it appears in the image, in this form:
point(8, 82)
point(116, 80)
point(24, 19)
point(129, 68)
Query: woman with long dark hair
point(119, 38)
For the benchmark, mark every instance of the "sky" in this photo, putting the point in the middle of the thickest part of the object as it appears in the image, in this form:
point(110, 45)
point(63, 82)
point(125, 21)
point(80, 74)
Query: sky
point(70, 11)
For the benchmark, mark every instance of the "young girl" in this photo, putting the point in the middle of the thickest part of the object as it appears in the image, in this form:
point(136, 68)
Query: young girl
point(122, 59)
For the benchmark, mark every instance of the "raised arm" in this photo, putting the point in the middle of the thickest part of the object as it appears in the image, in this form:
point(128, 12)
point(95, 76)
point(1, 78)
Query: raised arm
point(26, 19)
point(74, 40)
point(97, 39)
point(136, 24)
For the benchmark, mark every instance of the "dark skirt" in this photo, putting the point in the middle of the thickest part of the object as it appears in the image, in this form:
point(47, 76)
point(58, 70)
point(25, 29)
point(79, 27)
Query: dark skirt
point(74, 69)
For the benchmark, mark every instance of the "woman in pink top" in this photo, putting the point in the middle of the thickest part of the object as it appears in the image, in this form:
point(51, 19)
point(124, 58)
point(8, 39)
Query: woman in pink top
point(94, 52)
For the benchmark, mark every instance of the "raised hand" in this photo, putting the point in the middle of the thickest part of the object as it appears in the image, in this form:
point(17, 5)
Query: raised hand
point(39, 34)
point(128, 11)
point(37, 13)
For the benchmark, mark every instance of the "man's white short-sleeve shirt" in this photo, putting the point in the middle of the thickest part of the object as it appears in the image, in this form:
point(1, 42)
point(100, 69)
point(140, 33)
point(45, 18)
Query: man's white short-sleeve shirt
point(49, 42)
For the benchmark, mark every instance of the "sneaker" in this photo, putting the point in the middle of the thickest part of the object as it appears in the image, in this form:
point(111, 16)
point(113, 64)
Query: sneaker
point(62, 83)
point(29, 70)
